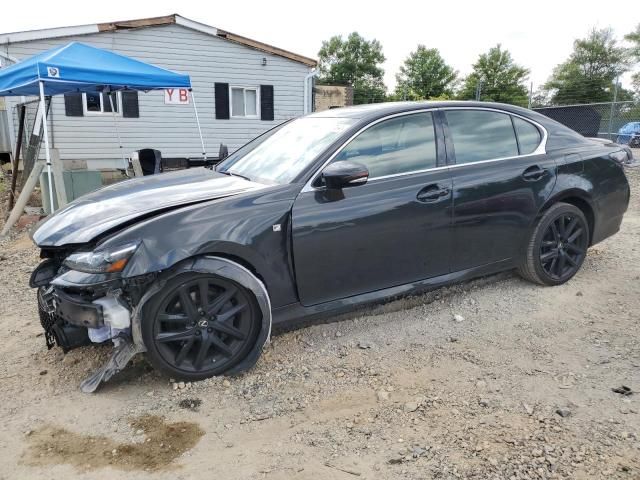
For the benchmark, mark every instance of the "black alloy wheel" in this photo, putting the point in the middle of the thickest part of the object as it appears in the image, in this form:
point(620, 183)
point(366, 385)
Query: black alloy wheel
point(563, 246)
point(557, 247)
point(200, 325)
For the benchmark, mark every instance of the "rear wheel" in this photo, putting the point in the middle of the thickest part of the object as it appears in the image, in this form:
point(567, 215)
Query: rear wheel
point(557, 247)
point(200, 325)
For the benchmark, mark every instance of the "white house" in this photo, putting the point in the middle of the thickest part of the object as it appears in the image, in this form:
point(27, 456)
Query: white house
point(242, 88)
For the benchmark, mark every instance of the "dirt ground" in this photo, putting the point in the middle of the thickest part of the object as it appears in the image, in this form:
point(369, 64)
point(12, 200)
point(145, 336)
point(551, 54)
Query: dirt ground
point(517, 385)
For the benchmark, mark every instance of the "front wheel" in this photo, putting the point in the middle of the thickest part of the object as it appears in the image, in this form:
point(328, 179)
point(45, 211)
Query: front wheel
point(557, 247)
point(200, 325)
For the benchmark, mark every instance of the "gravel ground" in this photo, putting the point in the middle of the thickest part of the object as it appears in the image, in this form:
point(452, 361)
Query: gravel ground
point(496, 378)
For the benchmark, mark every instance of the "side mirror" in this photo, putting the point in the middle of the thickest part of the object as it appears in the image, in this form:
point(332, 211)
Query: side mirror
point(345, 174)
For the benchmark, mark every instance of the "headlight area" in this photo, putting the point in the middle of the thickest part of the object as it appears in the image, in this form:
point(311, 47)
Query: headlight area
point(112, 260)
point(87, 300)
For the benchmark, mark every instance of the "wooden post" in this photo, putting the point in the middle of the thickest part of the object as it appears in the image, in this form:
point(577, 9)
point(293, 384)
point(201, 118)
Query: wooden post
point(16, 157)
point(25, 193)
point(135, 163)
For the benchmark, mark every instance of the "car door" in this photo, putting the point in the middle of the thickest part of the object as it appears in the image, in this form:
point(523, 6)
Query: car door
point(501, 178)
point(392, 230)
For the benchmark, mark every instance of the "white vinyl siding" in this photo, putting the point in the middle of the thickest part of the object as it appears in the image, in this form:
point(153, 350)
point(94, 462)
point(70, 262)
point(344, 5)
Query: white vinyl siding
point(172, 128)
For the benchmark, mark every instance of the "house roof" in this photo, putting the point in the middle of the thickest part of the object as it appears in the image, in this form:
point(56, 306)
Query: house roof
point(47, 33)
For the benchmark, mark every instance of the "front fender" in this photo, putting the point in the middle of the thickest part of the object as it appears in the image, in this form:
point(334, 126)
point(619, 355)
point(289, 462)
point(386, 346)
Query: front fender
point(240, 227)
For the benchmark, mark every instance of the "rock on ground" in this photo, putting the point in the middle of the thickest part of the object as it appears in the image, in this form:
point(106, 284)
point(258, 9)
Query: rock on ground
point(401, 392)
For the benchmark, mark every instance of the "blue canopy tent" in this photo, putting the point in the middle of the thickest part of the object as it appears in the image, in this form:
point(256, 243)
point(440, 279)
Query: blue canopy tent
point(77, 67)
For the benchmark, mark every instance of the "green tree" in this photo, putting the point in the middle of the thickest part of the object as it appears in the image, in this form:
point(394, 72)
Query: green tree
point(500, 79)
point(588, 75)
point(356, 62)
point(425, 75)
point(634, 51)
point(634, 38)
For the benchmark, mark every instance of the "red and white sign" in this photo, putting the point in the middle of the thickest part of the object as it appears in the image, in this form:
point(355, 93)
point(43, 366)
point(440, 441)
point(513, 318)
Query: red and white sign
point(176, 96)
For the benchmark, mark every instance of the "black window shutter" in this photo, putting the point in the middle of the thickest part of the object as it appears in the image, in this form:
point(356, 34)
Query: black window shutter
point(130, 107)
point(73, 104)
point(266, 102)
point(222, 100)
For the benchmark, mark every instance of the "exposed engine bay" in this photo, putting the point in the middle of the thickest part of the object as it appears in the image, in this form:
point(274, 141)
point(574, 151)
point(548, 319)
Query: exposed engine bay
point(74, 316)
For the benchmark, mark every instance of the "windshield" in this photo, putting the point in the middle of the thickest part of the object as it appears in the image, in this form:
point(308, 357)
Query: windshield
point(281, 154)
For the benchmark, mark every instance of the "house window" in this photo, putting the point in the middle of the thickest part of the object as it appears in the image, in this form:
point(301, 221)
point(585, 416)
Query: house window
point(98, 103)
point(244, 102)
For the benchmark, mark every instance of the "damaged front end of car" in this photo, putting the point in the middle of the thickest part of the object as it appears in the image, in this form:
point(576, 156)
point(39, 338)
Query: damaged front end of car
point(83, 299)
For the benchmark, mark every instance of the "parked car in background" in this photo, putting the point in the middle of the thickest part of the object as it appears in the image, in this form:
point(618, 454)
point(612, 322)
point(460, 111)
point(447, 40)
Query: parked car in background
point(317, 216)
point(629, 134)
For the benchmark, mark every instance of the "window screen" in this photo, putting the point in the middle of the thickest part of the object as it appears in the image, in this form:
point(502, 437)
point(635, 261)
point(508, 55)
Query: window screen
point(251, 97)
point(481, 135)
point(398, 145)
point(237, 102)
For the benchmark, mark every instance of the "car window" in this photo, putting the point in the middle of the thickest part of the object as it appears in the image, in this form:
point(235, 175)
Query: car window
point(481, 135)
point(528, 135)
point(398, 145)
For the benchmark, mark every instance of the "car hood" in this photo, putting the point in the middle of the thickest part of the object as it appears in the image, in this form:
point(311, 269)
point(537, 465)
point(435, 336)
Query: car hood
point(97, 212)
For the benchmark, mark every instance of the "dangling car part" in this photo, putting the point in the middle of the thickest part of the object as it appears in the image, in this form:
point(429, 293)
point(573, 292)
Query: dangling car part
point(320, 215)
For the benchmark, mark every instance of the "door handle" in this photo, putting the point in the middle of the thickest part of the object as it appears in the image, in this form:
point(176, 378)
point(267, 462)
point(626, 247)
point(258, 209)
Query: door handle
point(432, 192)
point(534, 173)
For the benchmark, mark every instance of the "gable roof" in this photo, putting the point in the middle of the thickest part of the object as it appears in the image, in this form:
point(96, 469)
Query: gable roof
point(8, 38)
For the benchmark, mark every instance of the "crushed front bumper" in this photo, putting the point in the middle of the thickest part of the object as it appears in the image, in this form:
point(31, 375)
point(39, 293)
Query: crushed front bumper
point(57, 331)
point(77, 311)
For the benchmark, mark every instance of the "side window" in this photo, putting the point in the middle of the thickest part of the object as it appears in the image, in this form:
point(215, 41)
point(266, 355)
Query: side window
point(528, 135)
point(481, 135)
point(398, 145)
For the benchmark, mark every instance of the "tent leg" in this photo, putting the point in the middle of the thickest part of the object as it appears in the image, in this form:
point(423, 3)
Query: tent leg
point(46, 145)
point(115, 124)
point(58, 178)
point(195, 110)
point(23, 198)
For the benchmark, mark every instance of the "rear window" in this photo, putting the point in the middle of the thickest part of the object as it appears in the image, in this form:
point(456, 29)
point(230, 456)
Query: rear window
point(528, 135)
point(481, 135)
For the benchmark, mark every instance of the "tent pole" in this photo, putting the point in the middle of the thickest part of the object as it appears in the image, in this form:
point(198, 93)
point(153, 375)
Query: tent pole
point(195, 110)
point(46, 144)
point(115, 124)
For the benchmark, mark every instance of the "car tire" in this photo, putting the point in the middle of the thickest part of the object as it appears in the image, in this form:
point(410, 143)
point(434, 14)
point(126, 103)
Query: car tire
point(199, 325)
point(557, 246)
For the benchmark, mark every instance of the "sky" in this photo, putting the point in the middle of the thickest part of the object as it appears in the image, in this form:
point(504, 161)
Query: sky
point(539, 33)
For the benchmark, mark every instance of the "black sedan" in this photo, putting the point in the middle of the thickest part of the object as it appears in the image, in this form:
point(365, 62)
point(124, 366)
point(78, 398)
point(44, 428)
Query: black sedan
point(317, 216)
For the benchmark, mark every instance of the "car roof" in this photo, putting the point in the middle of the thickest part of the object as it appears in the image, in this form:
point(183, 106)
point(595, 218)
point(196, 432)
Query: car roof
point(375, 110)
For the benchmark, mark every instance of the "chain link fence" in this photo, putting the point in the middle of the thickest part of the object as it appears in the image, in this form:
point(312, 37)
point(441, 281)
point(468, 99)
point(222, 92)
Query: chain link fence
point(615, 121)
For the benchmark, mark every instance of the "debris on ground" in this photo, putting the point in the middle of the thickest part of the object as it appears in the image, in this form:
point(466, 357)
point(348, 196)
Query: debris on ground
point(519, 389)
